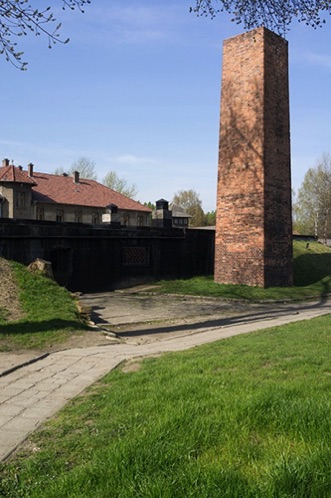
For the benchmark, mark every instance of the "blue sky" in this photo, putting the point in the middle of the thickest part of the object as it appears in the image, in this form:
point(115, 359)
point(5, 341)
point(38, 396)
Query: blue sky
point(137, 90)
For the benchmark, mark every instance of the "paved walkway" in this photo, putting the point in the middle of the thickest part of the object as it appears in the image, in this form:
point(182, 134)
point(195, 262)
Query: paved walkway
point(143, 317)
point(31, 394)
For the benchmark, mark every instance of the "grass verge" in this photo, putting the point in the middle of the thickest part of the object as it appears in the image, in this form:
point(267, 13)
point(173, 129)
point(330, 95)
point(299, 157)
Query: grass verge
point(246, 417)
point(50, 313)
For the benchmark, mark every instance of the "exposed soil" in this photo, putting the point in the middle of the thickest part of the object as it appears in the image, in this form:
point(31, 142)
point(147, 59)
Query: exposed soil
point(9, 301)
point(84, 340)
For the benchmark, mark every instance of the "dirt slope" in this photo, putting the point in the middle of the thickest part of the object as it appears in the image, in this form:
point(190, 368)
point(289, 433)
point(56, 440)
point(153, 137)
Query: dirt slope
point(9, 302)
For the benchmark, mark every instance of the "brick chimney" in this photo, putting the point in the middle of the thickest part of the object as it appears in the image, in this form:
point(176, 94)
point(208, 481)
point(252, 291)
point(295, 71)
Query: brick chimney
point(30, 169)
point(253, 242)
point(76, 176)
point(5, 162)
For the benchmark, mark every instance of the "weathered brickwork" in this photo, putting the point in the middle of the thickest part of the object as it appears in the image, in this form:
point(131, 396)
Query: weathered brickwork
point(253, 243)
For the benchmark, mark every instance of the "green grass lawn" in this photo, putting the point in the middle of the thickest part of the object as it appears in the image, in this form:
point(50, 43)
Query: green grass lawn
point(312, 278)
point(311, 265)
point(51, 314)
point(245, 417)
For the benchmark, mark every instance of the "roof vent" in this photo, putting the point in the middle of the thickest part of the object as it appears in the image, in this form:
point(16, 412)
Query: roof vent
point(5, 162)
point(64, 174)
point(20, 168)
point(112, 208)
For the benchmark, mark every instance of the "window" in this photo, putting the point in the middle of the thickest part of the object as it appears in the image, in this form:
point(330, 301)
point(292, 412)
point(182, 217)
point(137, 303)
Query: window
point(135, 256)
point(40, 213)
point(1, 203)
point(126, 220)
point(59, 215)
point(20, 200)
point(95, 218)
point(78, 216)
point(140, 220)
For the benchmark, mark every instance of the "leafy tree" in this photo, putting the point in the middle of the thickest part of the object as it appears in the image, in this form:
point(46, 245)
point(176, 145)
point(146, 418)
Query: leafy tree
point(121, 185)
point(150, 205)
point(312, 210)
point(85, 166)
point(210, 219)
point(190, 201)
point(276, 15)
point(22, 17)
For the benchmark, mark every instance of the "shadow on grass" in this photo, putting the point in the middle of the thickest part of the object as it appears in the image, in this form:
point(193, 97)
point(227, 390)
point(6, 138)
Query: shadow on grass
point(311, 268)
point(29, 327)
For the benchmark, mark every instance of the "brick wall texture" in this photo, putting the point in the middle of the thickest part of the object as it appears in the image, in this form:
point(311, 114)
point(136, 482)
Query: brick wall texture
point(253, 243)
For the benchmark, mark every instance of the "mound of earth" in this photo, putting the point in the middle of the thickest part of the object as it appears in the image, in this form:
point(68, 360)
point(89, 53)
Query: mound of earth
point(11, 310)
point(9, 293)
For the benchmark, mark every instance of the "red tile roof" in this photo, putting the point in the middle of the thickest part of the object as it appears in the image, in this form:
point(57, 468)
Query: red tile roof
point(63, 190)
point(13, 174)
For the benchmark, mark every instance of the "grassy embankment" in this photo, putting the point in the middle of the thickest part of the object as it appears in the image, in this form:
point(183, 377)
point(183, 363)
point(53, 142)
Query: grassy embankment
point(50, 313)
point(247, 417)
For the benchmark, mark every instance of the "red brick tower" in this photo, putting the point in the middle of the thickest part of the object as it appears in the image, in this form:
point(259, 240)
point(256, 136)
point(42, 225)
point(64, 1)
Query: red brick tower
point(254, 219)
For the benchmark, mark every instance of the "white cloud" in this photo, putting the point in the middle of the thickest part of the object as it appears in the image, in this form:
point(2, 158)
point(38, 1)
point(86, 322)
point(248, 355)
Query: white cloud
point(138, 15)
point(134, 160)
point(319, 59)
point(131, 24)
point(46, 157)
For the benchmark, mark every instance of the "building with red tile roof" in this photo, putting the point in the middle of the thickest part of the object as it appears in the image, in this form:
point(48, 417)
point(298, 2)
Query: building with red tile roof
point(63, 198)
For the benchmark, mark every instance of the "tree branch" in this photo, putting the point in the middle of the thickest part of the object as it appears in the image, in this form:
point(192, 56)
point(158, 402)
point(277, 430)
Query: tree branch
point(276, 15)
point(19, 18)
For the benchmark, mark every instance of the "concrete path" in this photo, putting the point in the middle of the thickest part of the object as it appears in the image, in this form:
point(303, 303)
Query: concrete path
point(31, 394)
